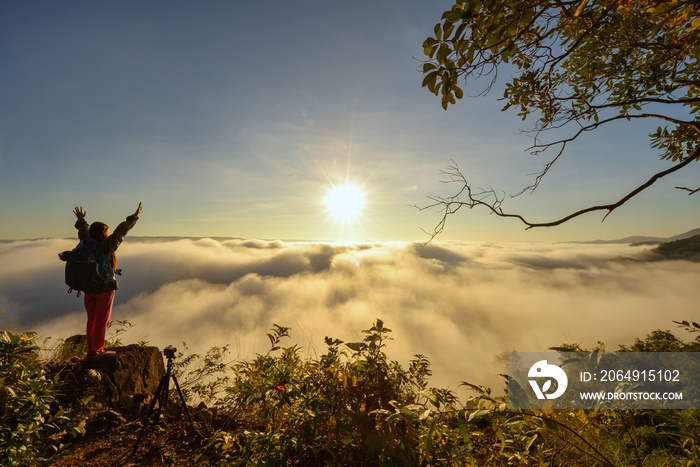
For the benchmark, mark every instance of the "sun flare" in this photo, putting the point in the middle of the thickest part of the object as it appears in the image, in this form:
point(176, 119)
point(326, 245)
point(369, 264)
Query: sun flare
point(345, 202)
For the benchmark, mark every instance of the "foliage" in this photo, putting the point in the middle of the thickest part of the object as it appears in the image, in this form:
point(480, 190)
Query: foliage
point(576, 65)
point(27, 397)
point(658, 437)
point(202, 377)
point(116, 329)
point(690, 326)
point(662, 341)
point(354, 406)
point(576, 60)
point(333, 409)
point(687, 248)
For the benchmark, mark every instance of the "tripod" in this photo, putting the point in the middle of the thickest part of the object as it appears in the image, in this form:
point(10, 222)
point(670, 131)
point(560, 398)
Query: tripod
point(161, 396)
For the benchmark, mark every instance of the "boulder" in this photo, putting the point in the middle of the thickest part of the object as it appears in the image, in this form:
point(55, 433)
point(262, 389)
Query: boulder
point(133, 374)
point(134, 370)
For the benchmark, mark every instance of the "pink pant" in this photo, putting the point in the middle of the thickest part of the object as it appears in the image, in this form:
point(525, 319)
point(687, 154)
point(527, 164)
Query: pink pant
point(99, 311)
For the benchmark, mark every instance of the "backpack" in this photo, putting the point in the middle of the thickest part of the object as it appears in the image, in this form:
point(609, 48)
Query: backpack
point(86, 268)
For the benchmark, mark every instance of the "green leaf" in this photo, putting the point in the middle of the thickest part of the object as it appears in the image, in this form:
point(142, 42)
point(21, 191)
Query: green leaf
point(356, 346)
point(528, 445)
point(429, 78)
point(449, 27)
point(470, 54)
point(454, 16)
point(432, 50)
point(460, 31)
point(477, 415)
point(429, 437)
point(443, 52)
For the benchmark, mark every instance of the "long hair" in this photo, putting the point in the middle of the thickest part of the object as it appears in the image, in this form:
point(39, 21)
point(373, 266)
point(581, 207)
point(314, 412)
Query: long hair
point(98, 231)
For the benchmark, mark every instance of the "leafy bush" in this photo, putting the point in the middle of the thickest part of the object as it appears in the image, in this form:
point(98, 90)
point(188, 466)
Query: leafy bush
point(354, 406)
point(201, 377)
point(329, 410)
point(26, 399)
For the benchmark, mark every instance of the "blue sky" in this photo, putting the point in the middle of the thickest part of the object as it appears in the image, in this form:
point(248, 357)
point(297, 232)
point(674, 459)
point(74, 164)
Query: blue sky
point(235, 118)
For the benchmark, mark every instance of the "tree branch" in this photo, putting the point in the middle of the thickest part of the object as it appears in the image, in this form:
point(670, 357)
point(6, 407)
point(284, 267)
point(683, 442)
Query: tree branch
point(688, 189)
point(482, 198)
point(538, 148)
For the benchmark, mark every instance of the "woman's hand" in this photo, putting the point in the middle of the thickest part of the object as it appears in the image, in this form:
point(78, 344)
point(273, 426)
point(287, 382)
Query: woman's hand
point(138, 211)
point(80, 214)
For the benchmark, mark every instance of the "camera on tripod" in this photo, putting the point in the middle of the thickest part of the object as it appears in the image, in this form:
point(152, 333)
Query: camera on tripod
point(169, 351)
point(161, 396)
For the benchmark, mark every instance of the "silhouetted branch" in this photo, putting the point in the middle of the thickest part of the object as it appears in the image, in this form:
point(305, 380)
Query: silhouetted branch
point(688, 189)
point(466, 197)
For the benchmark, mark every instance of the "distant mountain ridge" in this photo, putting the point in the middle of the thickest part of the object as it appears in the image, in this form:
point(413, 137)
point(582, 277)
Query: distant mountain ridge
point(642, 240)
point(633, 240)
point(685, 248)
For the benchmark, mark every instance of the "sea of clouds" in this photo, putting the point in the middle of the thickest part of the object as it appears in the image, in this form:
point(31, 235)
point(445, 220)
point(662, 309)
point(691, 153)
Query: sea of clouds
point(462, 305)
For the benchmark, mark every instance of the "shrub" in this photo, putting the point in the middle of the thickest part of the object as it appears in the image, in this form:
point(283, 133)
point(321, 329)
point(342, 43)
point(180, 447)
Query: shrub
point(354, 406)
point(201, 377)
point(26, 399)
point(329, 410)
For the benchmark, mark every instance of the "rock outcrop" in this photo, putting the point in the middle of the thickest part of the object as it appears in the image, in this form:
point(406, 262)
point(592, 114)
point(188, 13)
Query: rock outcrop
point(130, 376)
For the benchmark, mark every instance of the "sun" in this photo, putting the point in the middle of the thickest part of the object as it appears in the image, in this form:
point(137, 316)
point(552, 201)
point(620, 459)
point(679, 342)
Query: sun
point(345, 202)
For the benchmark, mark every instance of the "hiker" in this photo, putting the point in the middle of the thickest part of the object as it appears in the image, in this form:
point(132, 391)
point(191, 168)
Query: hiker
point(99, 305)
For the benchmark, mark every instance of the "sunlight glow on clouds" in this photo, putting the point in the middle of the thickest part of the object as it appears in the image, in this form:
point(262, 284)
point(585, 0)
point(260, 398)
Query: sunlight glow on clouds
point(460, 305)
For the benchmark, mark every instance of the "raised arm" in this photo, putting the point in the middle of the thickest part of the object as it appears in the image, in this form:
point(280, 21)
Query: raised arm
point(112, 242)
point(81, 224)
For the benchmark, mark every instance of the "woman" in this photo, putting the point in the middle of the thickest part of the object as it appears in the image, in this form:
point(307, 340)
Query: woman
point(99, 305)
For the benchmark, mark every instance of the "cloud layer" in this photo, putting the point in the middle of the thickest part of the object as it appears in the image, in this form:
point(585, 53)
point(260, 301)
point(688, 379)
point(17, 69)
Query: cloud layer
point(460, 305)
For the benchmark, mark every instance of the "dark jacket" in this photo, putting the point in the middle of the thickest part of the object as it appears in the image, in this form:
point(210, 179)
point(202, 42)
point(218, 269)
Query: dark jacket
point(108, 246)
